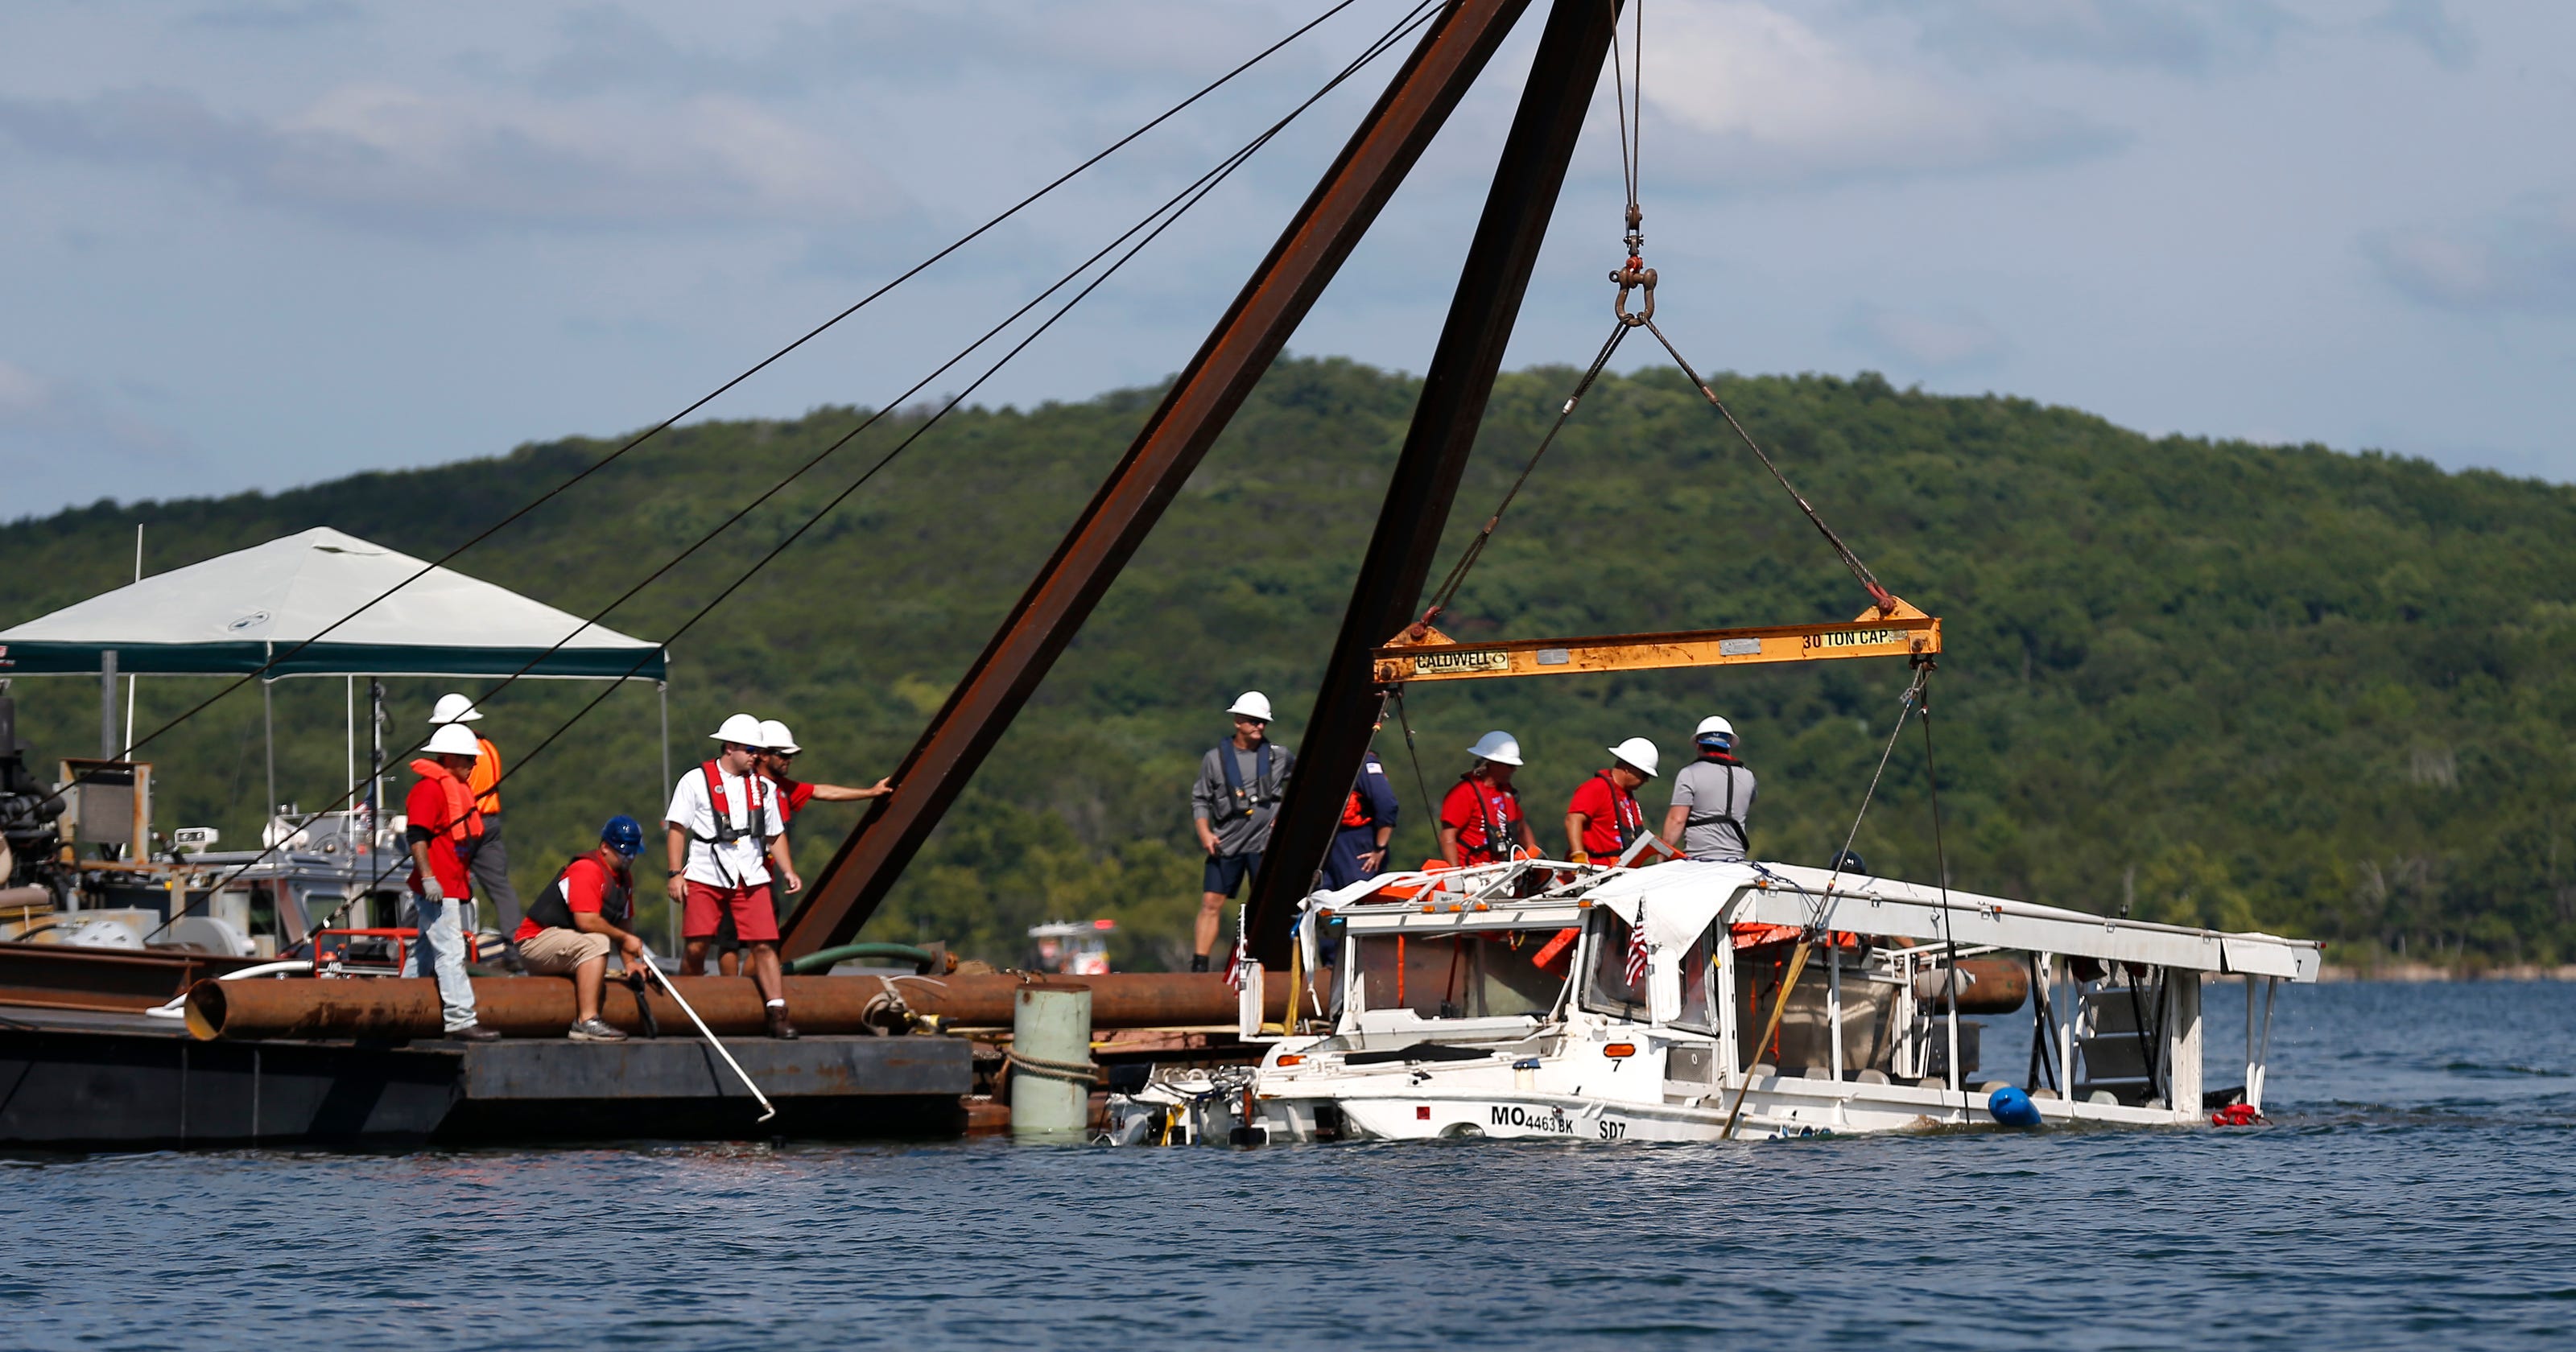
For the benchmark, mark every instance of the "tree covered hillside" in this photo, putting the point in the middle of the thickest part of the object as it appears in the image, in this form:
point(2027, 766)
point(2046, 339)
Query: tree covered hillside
point(2219, 683)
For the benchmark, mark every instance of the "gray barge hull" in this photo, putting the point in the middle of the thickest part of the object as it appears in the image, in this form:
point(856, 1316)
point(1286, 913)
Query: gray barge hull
point(95, 1080)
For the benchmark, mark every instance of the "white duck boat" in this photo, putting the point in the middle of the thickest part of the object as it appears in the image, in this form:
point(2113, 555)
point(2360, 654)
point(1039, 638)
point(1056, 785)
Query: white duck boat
point(1642, 1004)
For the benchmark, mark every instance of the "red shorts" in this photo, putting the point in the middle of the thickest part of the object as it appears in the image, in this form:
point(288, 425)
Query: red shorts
point(755, 917)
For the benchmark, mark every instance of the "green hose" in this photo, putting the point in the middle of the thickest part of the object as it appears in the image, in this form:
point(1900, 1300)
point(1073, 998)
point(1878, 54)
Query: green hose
point(922, 959)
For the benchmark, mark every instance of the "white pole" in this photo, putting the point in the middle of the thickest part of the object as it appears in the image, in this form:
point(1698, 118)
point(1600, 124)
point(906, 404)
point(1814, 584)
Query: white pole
point(129, 680)
point(1834, 1002)
point(768, 1109)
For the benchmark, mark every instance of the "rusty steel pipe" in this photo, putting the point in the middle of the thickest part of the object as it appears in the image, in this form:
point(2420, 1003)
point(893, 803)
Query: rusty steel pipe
point(407, 1007)
point(1993, 986)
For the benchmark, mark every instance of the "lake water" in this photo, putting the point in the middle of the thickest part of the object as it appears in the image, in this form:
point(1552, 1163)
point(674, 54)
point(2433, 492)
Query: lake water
point(2415, 1191)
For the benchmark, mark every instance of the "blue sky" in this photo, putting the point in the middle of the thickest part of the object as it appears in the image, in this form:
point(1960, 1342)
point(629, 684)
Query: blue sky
point(253, 245)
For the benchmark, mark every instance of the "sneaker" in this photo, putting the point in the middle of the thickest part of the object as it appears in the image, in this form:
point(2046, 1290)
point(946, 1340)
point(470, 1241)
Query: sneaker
point(1198, 962)
point(779, 1027)
point(473, 1032)
point(595, 1030)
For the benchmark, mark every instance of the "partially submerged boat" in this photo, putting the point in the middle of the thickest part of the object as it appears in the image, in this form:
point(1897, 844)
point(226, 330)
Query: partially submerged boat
point(1541, 999)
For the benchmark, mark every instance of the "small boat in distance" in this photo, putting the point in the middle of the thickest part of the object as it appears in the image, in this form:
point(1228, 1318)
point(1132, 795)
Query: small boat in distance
point(1613, 1003)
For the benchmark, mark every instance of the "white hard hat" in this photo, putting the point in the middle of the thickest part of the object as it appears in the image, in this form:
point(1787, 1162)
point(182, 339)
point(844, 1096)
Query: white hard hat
point(773, 734)
point(1638, 753)
point(741, 728)
point(1715, 724)
point(453, 739)
point(1497, 746)
point(1252, 704)
point(454, 709)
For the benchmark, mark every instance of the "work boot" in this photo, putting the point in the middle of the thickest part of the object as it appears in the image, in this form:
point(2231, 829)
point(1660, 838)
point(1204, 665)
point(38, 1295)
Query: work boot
point(779, 1027)
point(1198, 962)
point(473, 1032)
point(594, 1030)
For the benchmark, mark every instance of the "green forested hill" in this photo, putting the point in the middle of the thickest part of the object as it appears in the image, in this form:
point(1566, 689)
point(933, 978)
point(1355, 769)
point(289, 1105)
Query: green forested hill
point(2241, 685)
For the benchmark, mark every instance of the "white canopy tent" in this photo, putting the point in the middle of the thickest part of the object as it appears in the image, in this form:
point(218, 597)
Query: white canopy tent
point(248, 611)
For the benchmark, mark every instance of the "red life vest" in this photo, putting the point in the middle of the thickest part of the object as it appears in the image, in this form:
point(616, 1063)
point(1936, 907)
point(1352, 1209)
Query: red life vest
point(726, 831)
point(1628, 814)
point(464, 819)
point(1495, 813)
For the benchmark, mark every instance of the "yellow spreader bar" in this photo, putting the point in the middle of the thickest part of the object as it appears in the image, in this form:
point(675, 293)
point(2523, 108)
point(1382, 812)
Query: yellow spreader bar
point(1437, 657)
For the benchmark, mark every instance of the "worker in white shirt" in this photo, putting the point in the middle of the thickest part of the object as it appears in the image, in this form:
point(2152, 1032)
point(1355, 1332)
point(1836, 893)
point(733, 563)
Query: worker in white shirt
point(721, 826)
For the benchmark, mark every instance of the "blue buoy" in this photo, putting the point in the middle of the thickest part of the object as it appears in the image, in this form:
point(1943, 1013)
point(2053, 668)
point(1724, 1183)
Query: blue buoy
point(2011, 1107)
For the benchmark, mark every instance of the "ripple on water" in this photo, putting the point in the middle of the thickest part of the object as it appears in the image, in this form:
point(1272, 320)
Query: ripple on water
point(2389, 1205)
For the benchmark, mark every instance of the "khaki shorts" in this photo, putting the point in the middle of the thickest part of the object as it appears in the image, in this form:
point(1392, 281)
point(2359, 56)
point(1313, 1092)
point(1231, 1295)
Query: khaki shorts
point(556, 952)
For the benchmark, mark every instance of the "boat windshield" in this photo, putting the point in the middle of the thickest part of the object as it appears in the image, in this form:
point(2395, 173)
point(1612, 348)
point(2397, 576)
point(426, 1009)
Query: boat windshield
point(1473, 975)
point(1606, 987)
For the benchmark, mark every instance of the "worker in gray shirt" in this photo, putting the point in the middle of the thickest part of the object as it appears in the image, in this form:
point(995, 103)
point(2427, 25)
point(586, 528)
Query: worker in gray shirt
point(1712, 798)
point(1232, 805)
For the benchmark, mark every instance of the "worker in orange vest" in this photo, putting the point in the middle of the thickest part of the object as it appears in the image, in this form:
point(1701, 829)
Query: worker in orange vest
point(491, 861)
point(442, 827)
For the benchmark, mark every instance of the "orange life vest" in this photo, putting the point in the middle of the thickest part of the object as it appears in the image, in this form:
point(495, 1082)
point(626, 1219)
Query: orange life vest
point(464, 821)
point(1355, 812)
point(485, 775)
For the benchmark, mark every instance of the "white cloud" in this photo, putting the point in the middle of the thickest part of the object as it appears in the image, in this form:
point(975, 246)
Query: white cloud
point(394, 157)
point(1763, 99)
point(2190, 37)
point(2523, 261)
point(22, 392)
point(2431, 26)
point(1924, 342)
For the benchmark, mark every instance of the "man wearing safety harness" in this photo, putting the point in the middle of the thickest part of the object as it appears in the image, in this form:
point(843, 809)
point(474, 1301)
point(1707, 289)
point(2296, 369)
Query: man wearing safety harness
point(1712, 799)
point(442, 827)
point(721, 822)
point(587, 911)
point(1480, 820)
point(1232, 805)
point(1605, 817)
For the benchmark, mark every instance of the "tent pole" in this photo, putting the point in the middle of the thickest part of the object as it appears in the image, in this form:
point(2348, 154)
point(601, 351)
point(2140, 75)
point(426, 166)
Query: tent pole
point(268, 735)
point(107, 747)
point(128, 743)
point(662, 688)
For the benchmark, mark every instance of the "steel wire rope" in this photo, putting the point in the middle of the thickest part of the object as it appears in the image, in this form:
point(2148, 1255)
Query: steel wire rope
point(1859, 570)
point(1160, 219)
point(764, 363)
point(1941, 870)
point(1457, 575)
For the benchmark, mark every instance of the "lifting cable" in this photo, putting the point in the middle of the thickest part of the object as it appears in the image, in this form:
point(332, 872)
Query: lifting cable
point(1448, 590)
point(1629, 97)
point(1819, 928)
point(756, 368)
point(1160, 219)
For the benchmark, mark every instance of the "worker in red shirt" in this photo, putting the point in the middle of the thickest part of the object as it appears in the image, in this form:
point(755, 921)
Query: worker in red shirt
point(777, 759)
point(1480, 820)
point(1605, 818)
point(588, 910)
point(442, 827)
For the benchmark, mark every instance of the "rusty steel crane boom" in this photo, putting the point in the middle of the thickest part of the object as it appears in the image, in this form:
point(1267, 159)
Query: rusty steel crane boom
point(1452, 52)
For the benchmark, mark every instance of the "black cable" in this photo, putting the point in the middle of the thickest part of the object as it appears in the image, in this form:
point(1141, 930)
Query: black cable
point(1448, 589)
point(763, 364)
point(1941, 864)
point(1168, 213)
